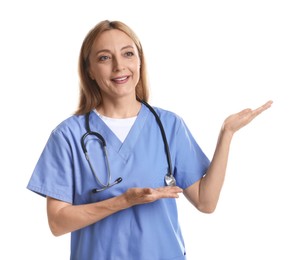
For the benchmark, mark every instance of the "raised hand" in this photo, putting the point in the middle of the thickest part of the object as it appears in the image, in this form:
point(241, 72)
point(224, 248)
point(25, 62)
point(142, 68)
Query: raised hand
point(236, 121)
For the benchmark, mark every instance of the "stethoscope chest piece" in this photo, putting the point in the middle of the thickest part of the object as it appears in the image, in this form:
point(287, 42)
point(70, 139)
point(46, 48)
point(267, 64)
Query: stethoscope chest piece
point(170, 180)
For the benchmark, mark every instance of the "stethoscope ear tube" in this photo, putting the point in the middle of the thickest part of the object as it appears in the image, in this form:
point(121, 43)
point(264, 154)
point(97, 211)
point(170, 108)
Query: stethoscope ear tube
point(118, 180)
point(89, 132)
point(103, 142)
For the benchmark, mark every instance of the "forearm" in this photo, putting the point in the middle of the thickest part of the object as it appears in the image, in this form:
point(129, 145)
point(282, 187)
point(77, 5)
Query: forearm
point(204, 194)
point(64, 218)
point(211, 184)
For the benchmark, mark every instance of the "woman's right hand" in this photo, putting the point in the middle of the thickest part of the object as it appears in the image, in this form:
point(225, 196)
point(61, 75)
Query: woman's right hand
point(135, 196)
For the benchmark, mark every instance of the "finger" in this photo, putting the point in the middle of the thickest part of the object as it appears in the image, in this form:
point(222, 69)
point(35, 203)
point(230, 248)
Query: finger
point(262, 108)
point(265, 106)
point(169, 189)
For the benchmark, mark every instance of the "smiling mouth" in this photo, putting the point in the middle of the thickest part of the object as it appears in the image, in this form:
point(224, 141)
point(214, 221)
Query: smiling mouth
point(121, 80)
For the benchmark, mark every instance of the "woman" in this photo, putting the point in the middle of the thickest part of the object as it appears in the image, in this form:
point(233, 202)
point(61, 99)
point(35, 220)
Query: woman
point(126, 209)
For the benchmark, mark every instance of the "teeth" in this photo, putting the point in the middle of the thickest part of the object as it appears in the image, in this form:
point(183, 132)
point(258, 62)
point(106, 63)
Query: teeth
point(123, 78)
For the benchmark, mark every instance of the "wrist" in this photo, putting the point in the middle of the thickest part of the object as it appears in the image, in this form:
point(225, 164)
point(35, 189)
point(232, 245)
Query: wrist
point(226, 133)
point(122, 202)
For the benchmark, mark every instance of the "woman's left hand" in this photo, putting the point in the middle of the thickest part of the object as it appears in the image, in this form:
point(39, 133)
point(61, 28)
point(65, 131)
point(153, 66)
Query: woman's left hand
point(236, 121)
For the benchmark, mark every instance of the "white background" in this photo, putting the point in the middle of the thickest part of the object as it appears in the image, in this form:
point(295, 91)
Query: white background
point(206, 60)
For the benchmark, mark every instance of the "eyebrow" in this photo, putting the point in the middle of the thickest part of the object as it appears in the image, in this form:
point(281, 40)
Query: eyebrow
point(123, 48)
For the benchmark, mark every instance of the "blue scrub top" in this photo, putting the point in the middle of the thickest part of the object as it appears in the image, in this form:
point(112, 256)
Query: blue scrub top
point(143, 232)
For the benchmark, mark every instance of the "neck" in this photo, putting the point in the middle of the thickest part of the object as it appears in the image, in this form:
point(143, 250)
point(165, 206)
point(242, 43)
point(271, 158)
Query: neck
point(119, 108)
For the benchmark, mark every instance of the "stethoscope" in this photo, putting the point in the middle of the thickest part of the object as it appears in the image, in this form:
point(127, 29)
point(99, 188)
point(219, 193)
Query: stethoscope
point(168, 178)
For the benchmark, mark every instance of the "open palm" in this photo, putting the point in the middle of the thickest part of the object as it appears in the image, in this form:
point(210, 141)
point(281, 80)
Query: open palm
point(236, 121)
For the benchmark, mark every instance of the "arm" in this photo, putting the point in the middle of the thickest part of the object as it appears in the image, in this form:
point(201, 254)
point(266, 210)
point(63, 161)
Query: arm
point(64, 217)
point(204, 194)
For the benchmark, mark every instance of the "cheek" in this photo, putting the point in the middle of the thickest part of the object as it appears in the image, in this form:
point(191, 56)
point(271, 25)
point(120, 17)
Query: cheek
point(135, 67)
point(100, 72)
point(136, 75)
point(99, 75)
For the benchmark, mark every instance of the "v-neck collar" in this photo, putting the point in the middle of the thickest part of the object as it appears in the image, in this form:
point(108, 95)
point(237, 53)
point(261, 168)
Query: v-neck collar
point(112, 142)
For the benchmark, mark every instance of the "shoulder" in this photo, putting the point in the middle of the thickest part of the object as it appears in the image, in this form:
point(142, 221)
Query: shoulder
point(73, 123)
point(169, 118)
point(167, 114)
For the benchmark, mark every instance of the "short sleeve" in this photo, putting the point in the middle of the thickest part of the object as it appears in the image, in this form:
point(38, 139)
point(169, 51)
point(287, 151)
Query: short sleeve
point(191, 163)
point(53, 173)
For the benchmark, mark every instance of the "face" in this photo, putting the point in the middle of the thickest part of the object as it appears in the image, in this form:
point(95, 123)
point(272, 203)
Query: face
point(115, 64)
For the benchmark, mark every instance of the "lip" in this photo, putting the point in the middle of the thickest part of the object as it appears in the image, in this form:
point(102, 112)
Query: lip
point(121, 79)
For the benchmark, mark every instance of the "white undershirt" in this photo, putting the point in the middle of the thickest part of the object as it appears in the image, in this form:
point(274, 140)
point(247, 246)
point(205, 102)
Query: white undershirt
point(119, 126)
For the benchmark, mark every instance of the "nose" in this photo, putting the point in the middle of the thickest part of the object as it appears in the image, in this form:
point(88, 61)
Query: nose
point(118, 64)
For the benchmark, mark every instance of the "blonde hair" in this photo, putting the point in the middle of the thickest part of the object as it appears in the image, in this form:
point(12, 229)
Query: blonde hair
point(90, 96)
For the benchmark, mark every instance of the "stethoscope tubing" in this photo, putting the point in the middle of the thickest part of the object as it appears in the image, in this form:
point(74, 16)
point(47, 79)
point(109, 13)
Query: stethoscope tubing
point(166, 145)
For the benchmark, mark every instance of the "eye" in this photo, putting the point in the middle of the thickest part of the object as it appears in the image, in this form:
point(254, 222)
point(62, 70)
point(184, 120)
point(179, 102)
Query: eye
point(129, 54)
point(103, 58)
